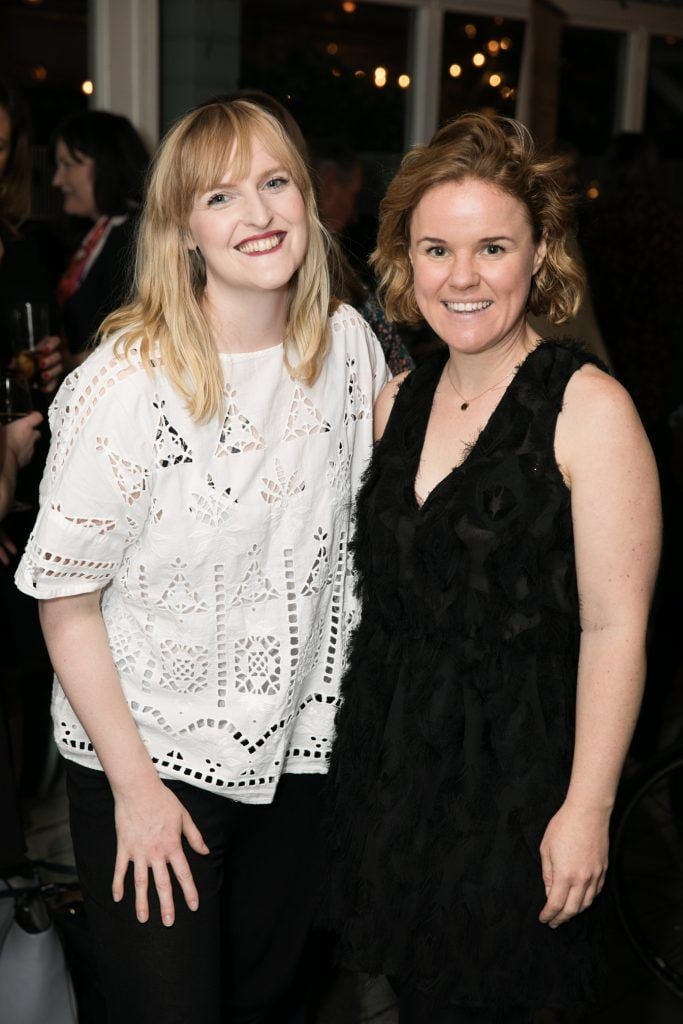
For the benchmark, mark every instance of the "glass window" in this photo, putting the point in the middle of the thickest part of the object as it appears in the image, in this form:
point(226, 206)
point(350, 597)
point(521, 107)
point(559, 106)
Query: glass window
point(44, 52)
point(588, 88)
point(665, 95)
point(481, 63)
point(342, 68)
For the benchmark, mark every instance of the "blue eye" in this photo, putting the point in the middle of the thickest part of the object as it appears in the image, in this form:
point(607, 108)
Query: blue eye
point(275, 183)
point(219, 199)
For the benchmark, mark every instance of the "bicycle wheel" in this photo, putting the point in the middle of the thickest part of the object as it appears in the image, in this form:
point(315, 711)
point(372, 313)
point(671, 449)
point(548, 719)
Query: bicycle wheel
point(647, 871)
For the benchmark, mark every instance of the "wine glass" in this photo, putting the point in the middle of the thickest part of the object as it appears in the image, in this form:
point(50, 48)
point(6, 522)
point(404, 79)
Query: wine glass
point(15, 401)
point(30, 324)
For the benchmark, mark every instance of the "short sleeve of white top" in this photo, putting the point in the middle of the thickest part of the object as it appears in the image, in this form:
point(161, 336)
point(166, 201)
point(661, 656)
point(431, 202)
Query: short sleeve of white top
point(221, 550)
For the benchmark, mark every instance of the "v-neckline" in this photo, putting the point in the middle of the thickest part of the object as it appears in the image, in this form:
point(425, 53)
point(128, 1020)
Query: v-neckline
point(418, 505)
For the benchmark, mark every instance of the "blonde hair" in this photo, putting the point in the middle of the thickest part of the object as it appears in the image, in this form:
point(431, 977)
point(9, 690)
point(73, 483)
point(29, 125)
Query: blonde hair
point(502, 153)
point(165, 317)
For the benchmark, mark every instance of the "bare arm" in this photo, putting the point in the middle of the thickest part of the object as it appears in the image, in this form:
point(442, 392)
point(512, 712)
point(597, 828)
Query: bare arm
point(385, 403)
point(150, 820)
point(603, 450)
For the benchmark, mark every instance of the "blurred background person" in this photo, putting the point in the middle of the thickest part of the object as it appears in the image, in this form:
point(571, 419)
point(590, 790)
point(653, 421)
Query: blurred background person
point(22, 275)
point(101, 163)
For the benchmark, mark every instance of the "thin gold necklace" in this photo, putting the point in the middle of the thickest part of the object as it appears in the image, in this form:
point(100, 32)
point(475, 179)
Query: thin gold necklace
point(466, 402)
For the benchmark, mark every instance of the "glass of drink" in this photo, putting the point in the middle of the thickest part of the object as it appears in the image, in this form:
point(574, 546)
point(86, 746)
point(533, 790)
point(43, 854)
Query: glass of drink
point(15, 401)
point(30, 324)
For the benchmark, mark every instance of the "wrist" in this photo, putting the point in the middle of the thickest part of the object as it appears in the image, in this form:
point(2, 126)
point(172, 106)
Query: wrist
point(589, 805)
point(136, 777)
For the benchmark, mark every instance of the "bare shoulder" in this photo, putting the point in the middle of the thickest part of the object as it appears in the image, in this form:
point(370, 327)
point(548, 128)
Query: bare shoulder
point(385, 403)
point(598, 422)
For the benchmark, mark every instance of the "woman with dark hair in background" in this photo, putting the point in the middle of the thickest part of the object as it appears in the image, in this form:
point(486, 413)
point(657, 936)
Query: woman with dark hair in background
point(101, 165)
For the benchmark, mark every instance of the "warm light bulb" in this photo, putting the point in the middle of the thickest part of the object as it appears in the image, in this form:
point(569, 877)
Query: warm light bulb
point(495, 80)
point(380, 77)
point(493, 46)
point(479, 60)
point(505, 43)
point(404, 81)
point(348, 7)
point(470, 31)
point(455, 71)
point(87, 87)
point(332, 48)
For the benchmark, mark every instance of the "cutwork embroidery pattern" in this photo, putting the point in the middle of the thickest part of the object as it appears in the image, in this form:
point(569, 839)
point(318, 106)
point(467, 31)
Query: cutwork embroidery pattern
point(220, 549)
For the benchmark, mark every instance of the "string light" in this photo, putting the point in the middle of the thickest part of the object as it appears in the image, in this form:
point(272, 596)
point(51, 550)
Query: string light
point(332, 48)
point(493, 46)
point(495, 80)
point(380, 77)
point(593, 190)
point(479, 60)
point(404, 81)
point(39, 73)
point(505, 43)
point(455, 71)
point(87, 87)
point(348, 7)
point(470, 31)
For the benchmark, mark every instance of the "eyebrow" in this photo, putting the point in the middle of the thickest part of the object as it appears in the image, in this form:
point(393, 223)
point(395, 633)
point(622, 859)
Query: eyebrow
point(489, 239)
point(278, 169)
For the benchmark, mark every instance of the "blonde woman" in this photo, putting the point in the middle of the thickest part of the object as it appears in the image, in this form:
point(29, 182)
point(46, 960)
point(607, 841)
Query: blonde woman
point(507, 544)
point(191, 560)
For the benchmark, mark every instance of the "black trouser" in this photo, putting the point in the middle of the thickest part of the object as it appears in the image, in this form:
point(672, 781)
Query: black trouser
point(415, 1007)
point(234, 958)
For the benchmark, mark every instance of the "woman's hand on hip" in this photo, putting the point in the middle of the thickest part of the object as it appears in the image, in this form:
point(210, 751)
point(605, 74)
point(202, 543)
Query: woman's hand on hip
point(150, 825)
point(574, 853)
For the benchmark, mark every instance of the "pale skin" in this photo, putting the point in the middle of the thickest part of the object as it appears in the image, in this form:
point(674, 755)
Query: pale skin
point(614, 493)
point(246, 301)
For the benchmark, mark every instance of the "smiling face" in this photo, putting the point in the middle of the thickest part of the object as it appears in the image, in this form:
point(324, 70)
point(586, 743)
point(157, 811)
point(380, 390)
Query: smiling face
point(473, 257)
point(251, 232)
point(75, 176)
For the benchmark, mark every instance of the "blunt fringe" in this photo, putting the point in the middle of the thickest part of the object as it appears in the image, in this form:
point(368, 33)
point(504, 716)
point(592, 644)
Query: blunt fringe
point(501, 152)
point(165, 320)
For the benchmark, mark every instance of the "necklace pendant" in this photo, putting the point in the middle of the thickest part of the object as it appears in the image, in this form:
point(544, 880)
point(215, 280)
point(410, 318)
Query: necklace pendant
point(465, 405)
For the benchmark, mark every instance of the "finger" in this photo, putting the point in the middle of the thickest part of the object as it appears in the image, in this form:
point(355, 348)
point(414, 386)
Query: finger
point(589, 896)
point(141, 879)
point(49, 343)
point(4, 557)
point(572, 906)
point(193, 835)
point(546, 870)
point(557, 897)
point(162, 882)
point(120, 869)
point(182, 871)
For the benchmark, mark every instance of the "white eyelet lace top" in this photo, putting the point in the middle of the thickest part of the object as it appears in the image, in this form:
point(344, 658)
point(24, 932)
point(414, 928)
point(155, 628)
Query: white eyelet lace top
point(221, 550)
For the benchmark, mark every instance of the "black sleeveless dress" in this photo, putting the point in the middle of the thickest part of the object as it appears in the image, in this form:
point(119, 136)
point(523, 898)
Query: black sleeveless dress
point(455, 736)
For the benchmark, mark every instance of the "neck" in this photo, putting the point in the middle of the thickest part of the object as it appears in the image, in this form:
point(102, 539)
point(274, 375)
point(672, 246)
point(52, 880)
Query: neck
point(471, 372)
point(247, 326)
